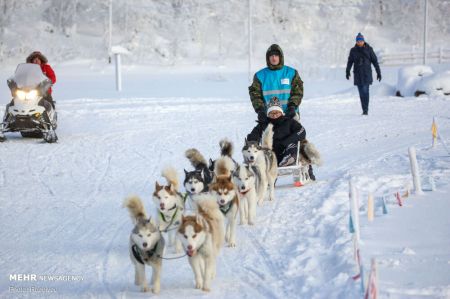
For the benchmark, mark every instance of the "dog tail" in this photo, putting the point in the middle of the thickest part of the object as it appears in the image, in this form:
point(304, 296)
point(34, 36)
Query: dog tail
point(135, 207)
point(226, 148)
point(312, 153)
point(170, 174)
point(223, 166)
point(209, 209)
point(196, 158)
point(267, 137)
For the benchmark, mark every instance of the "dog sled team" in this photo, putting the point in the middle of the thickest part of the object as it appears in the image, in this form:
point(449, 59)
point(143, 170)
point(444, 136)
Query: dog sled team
point(199, 221)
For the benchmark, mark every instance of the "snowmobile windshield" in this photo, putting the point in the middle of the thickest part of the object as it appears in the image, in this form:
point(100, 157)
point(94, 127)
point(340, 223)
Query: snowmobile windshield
point(28, 76)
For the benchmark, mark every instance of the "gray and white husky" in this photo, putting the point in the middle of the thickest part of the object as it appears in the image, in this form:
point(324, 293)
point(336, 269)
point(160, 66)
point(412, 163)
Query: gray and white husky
point(146, 245)
point(247, 180)
point(170, 206)
point(265, 159)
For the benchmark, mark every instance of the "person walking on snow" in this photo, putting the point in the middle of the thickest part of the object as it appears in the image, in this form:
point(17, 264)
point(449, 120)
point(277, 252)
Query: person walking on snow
point(361, 57)
point(276, 81)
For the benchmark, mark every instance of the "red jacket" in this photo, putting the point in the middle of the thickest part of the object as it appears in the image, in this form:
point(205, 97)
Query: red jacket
point(48, 71)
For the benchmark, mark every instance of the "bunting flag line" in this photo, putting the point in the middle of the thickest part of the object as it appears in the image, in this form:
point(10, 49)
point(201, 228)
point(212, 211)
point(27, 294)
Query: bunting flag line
point(383, 205)
point(351, 228)
point(434, 132)
point(370, 207)
point(399, 198)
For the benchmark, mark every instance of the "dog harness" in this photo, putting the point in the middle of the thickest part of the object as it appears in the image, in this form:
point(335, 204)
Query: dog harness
point(143, 255)
point(226, 208)
point(163, 218)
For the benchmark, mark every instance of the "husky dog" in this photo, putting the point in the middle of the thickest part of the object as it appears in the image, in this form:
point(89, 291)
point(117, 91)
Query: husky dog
point(309, 155)
point(146, 245)
point(226, 150)
point(224, 191)
point(247, 180)
point(198, 180)
point(202, 237)
point(170, 205)
point(265, 159)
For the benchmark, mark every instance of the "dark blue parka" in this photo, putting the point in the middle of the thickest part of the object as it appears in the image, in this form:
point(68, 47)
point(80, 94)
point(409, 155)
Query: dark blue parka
point(361, 58)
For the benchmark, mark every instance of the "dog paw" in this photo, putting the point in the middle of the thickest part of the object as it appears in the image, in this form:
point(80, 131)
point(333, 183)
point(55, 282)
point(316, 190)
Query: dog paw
point(232, 244)
point(251, 223)
point(206, 289)
point(155, 290)
point(198, 285)
point(145, 289)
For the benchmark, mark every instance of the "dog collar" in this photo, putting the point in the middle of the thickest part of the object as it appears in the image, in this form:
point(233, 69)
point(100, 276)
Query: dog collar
point(245, 192)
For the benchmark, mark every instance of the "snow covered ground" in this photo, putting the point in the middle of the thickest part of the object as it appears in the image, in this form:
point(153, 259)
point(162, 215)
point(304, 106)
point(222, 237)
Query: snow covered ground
point(61, 203)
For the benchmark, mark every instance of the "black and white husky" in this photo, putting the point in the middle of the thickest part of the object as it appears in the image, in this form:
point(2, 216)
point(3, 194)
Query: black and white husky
point(265, 159)
point(146, 245)
point(248, 182)
point(198, 180)
point(170, 206)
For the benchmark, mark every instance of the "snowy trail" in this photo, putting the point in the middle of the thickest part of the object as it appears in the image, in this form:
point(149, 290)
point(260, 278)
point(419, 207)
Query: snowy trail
point(65, 199)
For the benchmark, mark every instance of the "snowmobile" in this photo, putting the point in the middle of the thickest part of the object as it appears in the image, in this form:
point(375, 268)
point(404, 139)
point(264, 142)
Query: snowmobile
point(29, 113)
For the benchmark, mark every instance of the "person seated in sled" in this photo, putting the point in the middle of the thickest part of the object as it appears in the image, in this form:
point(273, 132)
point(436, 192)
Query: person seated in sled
point(287, 134)
point(38, 58)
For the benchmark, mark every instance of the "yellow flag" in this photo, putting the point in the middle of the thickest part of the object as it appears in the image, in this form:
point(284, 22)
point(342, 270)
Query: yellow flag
point(434, 130)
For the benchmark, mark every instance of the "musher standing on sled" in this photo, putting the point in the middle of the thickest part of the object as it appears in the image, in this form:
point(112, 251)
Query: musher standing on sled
point(278, 82)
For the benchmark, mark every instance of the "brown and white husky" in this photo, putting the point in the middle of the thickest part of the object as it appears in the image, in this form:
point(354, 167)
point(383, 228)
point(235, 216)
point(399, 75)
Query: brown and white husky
point(202, 238)
point(170, 206)
point(224, 192)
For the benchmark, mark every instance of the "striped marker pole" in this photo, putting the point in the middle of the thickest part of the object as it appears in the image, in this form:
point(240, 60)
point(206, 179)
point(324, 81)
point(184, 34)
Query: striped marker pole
point(354, 209)
point(372, 283)
point(415, 170)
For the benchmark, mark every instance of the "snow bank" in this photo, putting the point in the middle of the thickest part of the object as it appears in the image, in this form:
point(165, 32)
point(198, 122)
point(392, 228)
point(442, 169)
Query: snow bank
point(435, 84)
point(409, 77)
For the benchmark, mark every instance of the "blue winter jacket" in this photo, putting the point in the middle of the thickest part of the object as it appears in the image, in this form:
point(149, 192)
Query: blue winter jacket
point(361, 58)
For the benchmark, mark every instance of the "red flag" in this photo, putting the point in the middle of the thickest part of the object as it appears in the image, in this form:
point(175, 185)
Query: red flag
point(399, 199)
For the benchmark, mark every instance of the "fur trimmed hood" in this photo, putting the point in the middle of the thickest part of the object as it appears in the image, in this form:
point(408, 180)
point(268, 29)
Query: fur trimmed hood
point(36, 54)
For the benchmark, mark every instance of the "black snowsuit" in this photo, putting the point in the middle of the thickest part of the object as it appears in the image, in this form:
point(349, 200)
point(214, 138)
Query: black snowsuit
point(287, 132)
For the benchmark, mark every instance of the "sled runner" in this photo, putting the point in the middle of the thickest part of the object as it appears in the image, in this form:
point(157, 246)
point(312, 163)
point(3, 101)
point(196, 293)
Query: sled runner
point(298, 171)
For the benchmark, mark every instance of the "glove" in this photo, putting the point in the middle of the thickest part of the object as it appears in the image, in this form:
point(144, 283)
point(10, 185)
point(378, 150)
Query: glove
point(347, 75)
point(262, 117)
point(290, 112)
point(379, 77)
